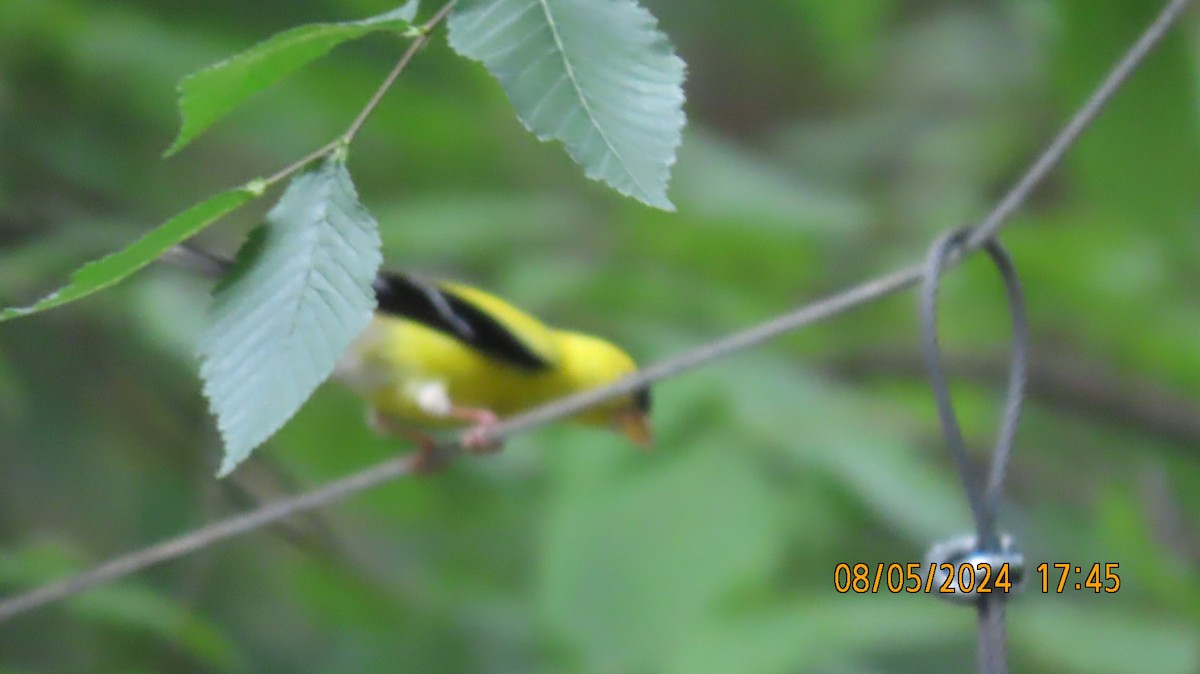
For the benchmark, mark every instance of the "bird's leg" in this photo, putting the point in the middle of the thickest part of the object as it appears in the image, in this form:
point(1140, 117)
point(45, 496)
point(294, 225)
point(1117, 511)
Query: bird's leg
point(476, 439)
point(434, 399)
point(425, 459)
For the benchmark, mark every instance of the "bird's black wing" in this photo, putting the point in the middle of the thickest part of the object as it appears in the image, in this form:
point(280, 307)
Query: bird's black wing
point(441, 309)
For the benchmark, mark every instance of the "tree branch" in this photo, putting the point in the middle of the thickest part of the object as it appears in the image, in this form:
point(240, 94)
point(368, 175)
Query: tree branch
point(351, 131)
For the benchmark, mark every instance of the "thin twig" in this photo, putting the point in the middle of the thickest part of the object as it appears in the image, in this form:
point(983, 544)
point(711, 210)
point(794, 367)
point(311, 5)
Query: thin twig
point(343, 140)
point(811, 313)
point(417, 43)
point(302, 162)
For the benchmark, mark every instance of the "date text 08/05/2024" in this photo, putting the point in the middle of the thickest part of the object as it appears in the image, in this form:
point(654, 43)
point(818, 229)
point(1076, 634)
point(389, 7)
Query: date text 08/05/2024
point(863, 578)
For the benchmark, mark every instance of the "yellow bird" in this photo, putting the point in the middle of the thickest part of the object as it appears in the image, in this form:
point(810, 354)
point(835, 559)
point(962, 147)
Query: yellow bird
point(441, 355)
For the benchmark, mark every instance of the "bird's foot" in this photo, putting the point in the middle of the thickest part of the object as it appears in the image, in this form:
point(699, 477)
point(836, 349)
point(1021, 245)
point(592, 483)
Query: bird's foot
point(477, 439)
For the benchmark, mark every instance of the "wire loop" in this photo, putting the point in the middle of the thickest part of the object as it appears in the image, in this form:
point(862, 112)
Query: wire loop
point(984, 498)
point(987, 550)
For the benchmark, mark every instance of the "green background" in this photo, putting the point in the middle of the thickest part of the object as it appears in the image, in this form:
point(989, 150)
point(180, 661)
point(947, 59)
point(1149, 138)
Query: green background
point(828, 142)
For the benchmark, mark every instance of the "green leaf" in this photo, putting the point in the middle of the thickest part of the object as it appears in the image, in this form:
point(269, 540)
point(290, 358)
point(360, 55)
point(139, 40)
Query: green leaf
point(299, 293)
point(100, 274)
point(209, 94)
point(596, 74)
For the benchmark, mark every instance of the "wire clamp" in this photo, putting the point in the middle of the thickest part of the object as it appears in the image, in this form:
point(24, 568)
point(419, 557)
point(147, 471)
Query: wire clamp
point(963, 573)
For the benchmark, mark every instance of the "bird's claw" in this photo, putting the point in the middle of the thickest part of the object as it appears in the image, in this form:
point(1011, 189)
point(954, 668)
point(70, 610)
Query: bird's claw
point(477, 439)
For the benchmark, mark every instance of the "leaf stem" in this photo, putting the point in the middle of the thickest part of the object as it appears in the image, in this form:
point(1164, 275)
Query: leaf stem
point(304, 161)
point(422, 37)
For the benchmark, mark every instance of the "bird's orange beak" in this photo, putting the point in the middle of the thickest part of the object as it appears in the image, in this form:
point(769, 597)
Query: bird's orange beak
point(635, 425)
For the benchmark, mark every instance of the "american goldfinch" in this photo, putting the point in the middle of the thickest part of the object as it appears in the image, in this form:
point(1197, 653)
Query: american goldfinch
point(440, 355)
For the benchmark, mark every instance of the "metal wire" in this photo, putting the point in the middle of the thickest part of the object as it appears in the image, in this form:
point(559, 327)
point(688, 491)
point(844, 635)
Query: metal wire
point(983, 496)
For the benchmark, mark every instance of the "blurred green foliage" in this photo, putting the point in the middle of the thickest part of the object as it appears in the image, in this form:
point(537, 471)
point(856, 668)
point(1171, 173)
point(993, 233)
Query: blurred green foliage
point(829, 141)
